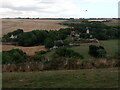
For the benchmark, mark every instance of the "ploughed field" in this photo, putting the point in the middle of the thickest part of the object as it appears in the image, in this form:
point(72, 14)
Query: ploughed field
point(9, 25)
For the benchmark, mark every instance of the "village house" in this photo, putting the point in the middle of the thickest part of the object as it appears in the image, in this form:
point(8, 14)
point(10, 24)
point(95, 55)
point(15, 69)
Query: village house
point(77, 37)
point(56, 46)
point(72, 33)
point(87, 31)
point(13, 36)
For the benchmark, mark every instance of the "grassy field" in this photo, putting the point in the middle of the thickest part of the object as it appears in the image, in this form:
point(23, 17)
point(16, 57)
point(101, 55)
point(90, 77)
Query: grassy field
point(112, 23)
point(85, 78)
point(111, 47)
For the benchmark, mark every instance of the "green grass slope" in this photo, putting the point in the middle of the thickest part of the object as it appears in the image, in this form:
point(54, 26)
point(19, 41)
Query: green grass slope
point(85, 78)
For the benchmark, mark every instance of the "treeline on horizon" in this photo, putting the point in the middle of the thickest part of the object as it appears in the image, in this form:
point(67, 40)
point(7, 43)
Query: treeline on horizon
point(60, 18)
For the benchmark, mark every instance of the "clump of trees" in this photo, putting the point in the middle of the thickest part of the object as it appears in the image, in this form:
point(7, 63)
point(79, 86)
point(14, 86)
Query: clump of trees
point(37, 58)
point(98, 29)
point(16, 56)
point(55, 36)
point(6, 38)
point(37, 37)
point(65, 52)
point(13, 56)
point(32, 38)
point(49, 43)
point(97, 51)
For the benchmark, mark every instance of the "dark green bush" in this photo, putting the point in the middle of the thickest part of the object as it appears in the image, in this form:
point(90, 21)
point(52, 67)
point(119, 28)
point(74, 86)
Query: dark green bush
point(37, 57)
point(41, 52)
point(56, 63)
point(49, 43)
point(65, 52)
point(13, 56)
point(97, 51)
point(32, 38)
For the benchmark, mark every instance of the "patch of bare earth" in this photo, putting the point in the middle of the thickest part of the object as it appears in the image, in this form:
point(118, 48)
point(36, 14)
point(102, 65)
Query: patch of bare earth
point(28, 50)
point(9, 25)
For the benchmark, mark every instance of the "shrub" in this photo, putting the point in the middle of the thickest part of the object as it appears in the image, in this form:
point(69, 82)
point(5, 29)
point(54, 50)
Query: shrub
point(71, 63)
point(56, 63)
point(49, 43)
point(96, 51)
point(63, 63)
point(13, 56)
point(93, 50)
point(37, 57)
point(65, 52)
point(101, 53)
point(41, 52)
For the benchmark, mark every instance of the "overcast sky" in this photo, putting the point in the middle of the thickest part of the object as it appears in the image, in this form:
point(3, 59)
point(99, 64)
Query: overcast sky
point(59, 8)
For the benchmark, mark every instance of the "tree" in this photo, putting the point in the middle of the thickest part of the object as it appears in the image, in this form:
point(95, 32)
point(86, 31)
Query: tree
point(41, 35)
point(65, 52)
point(37, 57)
point(92, 50)
point(96, 51)
point(101, 53)
point(27, 39)
point(49, 43)
point(13, 56)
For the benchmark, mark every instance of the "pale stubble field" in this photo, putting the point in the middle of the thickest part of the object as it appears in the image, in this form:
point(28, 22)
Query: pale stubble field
point(9, 25)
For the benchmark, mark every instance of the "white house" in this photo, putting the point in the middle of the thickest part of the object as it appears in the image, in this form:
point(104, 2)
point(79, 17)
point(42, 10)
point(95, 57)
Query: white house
point(87, 31)
point(12, 36)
